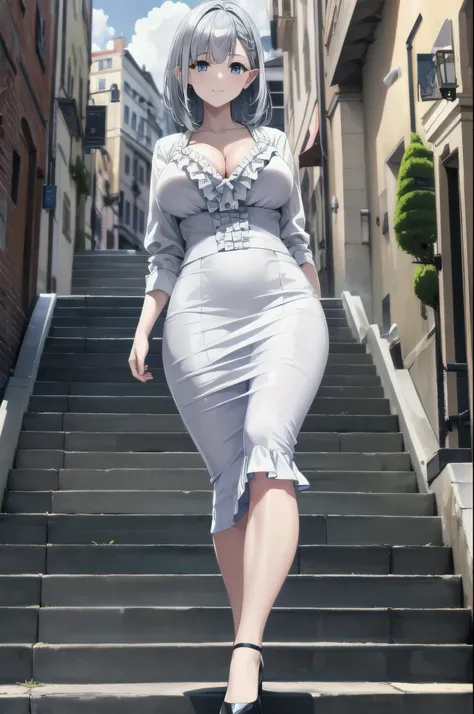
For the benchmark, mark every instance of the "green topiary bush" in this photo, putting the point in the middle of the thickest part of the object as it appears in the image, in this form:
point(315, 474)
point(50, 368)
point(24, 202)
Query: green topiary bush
point(425, 284)
point(415, 215)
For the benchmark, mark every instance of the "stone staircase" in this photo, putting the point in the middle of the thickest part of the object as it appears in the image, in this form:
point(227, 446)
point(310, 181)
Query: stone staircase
point(110, 593)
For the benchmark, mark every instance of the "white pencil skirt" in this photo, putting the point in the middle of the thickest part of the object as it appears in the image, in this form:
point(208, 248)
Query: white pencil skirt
point(245, 347)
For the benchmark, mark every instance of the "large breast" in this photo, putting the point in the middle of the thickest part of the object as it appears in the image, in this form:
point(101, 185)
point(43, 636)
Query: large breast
point(274, 185)
point(182, 197)
point(177, 194)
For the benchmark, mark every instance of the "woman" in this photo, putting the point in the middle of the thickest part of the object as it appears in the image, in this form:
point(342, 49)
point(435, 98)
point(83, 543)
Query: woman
point(245, 339)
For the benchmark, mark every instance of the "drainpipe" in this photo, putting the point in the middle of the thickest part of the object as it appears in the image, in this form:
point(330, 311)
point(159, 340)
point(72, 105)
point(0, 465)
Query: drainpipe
point(52, 149)
point(320, 79)
point(411, 83)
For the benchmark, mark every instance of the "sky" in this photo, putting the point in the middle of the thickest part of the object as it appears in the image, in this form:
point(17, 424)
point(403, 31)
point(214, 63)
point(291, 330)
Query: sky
point(149, 27)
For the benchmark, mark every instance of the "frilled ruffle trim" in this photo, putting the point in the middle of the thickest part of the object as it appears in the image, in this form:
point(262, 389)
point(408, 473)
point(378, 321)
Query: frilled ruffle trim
point(276, 464)
point(218, 190)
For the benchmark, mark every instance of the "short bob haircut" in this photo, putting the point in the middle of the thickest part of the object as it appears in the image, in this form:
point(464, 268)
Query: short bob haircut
point(214, 27)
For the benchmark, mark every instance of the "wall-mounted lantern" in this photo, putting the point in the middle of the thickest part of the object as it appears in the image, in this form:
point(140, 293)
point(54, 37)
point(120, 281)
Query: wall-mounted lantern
point(444, 61)
point(446, 73)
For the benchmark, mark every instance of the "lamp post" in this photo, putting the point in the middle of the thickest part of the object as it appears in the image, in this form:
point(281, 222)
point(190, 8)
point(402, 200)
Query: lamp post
point(446, 73)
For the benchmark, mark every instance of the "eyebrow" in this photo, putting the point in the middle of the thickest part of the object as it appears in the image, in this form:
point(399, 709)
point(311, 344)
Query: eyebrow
point(206, 54)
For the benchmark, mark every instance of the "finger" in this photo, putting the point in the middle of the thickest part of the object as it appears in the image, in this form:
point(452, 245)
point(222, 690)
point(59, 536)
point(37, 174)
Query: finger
point(140, 366)
point(133, 367)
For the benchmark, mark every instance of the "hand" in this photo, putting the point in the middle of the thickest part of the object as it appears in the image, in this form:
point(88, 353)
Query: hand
point(137, 358)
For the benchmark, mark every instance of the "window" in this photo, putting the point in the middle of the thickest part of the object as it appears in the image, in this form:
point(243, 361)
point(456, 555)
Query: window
point(135, 167)
point(127, 114)
point(67, 217)
point(386, 316)
point(142, 222)
point(127, 164)
point(15, 177)
point(141, 128)
point(134, 121)
point(101, 85)
point(39, 33)
point(105, 64)
point(141, 174)
point(81, 97)
point(135, 218)
point(127, 213)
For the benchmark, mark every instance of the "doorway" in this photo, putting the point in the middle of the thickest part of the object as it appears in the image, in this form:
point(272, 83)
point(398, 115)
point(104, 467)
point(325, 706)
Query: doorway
point(457, 287)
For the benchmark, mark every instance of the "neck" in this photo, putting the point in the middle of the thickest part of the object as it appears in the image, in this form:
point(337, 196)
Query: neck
point(217, 119)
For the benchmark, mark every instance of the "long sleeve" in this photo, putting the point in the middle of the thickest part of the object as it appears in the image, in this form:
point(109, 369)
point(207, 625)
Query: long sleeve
point(163, 239)
point(292, 221)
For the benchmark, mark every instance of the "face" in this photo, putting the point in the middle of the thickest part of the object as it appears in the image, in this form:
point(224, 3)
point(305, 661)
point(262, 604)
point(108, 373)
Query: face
point(218, 84)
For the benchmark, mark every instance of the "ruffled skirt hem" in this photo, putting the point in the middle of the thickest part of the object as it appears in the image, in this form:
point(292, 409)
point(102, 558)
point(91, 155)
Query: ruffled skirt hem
point(277, 465)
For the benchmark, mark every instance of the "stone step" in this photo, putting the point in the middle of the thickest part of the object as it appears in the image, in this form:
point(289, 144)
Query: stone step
point(277, 698)
point(95, 254)
point(338, 461)
point(95, 262)
point(166, 405)
point(188, 479)
point(200, 559)
point(127, 270)
point(198, 590)
point(140, 625)
point(124, 316)
point(42, 421)
point(200, 502)
point(161, 389)
point(201, 662)
point(116, 291)
point(334, 375)
point(81, 286)
point(139, 441)
point(186, 529)
point(137, 302)
point(337, 363)
point(336, 334)
point(349, 352)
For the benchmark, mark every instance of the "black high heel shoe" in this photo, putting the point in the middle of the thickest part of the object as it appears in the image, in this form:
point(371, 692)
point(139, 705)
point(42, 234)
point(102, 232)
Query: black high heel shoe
point(247, 707)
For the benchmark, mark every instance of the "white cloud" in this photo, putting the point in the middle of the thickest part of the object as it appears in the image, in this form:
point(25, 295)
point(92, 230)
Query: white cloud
point(102, 32)
point(154, 33)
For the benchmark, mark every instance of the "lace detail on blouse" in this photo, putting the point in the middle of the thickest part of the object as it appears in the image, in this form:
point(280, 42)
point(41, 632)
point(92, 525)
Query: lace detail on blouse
point(226, 197)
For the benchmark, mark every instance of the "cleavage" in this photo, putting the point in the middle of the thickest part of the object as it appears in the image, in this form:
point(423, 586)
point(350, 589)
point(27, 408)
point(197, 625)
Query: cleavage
point(222, 162)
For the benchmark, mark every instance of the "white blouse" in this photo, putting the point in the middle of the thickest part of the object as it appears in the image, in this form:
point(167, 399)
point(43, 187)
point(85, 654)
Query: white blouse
point(194, 211)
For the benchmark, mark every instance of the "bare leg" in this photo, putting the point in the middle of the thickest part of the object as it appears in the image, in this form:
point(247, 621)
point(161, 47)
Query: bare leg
point(229, 549)
point(271, 539)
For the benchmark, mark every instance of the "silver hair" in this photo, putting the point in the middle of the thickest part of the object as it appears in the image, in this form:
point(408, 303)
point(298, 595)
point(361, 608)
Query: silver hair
point(214, 27)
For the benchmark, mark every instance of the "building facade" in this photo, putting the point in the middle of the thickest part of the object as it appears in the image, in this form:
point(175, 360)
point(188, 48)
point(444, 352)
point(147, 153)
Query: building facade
point(26, 71)
point(293, 26)
point(65, 228)
point(368, 81)
point(134, 124)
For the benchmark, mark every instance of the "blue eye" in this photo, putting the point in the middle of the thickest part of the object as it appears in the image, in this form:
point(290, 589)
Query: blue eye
point(202, 65)
point(239, 67)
